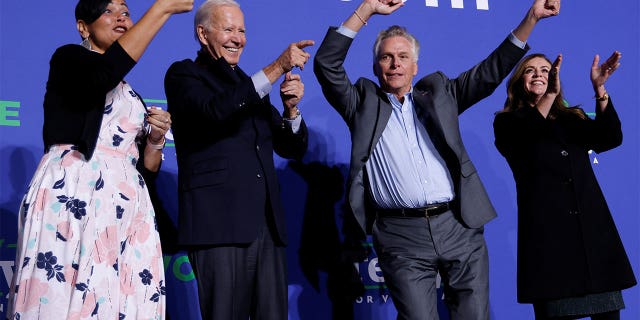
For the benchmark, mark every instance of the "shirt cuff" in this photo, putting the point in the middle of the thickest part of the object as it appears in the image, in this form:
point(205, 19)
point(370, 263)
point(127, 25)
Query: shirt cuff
point(346, 32)
point(517, 42)
point(261, 83)
point(294, 123)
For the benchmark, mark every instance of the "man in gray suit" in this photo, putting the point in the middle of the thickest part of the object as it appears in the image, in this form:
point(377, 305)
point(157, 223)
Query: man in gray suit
point(411, 182)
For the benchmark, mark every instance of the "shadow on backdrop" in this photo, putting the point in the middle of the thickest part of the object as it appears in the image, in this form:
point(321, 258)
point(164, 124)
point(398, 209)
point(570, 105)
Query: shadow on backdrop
point(23, 165)
point(322, 247)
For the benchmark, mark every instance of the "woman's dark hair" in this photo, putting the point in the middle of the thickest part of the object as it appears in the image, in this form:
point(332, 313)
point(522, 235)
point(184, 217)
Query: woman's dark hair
point(90, 10)
point(517, 97)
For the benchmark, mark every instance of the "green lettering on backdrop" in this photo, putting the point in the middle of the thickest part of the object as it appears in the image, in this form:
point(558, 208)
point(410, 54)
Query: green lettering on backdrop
point(5, 114)
point(178, 273)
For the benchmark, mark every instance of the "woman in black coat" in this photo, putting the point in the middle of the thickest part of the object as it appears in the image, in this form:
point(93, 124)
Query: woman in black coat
point(571, 262)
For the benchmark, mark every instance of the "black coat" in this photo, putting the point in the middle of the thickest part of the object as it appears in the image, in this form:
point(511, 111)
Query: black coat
point(568, 244)
point(225, 137)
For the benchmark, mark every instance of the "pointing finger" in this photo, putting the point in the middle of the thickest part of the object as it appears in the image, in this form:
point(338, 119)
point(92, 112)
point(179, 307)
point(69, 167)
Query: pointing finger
point(304, 43)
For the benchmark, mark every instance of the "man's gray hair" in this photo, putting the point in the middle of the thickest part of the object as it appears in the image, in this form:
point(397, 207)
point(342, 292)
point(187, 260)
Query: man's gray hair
point(203, 15)
point(396, 31)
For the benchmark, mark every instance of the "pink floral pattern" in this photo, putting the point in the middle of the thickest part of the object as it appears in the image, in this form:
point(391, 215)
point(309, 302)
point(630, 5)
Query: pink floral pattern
point(87, 244)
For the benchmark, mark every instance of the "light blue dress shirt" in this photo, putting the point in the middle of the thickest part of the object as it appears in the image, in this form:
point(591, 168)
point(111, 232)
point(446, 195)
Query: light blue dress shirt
point(405, 170)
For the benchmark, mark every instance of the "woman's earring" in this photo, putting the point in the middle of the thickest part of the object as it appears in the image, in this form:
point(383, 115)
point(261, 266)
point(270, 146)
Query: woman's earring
point(86, 43)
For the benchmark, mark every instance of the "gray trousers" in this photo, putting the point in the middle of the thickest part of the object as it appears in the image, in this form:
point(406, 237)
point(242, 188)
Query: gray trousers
point(412, 251)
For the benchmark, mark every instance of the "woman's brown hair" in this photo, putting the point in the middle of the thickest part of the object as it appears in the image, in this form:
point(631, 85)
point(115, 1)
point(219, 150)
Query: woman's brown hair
point(518, 98)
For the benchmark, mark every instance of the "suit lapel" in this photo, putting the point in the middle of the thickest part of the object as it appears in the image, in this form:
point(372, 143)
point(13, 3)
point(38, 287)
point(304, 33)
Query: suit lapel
point(428, 116)
point(384, 110)
point(426, 112)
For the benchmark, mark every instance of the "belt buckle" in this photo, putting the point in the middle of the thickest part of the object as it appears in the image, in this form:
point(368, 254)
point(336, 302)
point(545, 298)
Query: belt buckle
point(427, 211)
point(433, 208)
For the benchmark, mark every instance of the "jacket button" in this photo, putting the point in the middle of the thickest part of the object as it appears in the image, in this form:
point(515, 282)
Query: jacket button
point(564, 153)
point(258, 176)
point(258, 148)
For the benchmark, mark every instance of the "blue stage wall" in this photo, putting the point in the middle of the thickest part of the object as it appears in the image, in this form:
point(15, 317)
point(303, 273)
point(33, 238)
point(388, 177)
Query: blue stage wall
point(454, 35)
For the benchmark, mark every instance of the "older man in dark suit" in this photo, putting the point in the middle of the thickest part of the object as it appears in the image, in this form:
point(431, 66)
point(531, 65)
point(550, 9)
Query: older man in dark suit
point(230, 214)
point(411, 179)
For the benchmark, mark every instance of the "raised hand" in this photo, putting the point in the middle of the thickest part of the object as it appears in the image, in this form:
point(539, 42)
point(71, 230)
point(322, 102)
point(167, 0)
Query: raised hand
point(553, 86)
point(600, 73)
point(384, 7)
point(545, 8)
point(544, 103)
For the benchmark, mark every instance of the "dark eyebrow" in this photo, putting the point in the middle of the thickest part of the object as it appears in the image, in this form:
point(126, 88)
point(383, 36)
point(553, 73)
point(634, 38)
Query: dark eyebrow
point(124, 3)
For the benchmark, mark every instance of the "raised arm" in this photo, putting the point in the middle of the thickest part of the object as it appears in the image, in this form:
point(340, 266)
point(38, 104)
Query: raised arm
point(539, 10)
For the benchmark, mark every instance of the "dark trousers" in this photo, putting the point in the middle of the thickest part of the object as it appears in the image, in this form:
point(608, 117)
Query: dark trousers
point(238, 282)
point(412, 251)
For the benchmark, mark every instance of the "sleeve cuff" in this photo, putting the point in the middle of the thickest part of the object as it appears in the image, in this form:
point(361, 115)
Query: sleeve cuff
point(517, 42)
point(261, 83)
point(294, 123)
point(346, 32)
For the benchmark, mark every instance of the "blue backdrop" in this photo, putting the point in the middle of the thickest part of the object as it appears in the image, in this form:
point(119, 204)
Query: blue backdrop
point(454, 35)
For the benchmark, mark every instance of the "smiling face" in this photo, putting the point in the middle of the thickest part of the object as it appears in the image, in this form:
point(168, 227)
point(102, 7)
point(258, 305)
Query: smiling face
point(396, 65)
point(109, 27)
point(535, 78)
point(225, 37)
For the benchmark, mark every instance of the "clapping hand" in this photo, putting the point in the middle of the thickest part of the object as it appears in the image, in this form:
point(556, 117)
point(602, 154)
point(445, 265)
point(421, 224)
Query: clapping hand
point(600, 74)
point(553, 86)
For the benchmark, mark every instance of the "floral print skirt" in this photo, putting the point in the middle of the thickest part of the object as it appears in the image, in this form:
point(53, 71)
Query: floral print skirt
point(87, 246)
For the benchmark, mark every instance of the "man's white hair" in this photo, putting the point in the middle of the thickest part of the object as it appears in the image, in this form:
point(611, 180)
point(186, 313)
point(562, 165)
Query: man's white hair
point(203, 15)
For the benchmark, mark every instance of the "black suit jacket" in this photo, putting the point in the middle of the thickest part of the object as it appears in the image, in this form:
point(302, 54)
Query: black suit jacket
point(225, 136)
point(438, 102)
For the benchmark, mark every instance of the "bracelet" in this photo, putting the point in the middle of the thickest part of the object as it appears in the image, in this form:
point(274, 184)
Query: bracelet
point(604, 97)
point(156, 146)
point(359, 17)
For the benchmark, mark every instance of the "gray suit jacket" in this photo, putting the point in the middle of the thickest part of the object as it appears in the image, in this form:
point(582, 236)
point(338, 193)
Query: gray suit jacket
point(438, 102)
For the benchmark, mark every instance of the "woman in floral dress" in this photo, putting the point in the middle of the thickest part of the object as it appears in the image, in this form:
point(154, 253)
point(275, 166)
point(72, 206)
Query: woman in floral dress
point(88, 245)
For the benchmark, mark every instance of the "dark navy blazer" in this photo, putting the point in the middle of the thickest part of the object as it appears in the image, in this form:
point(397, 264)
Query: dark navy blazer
point(225, 136)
